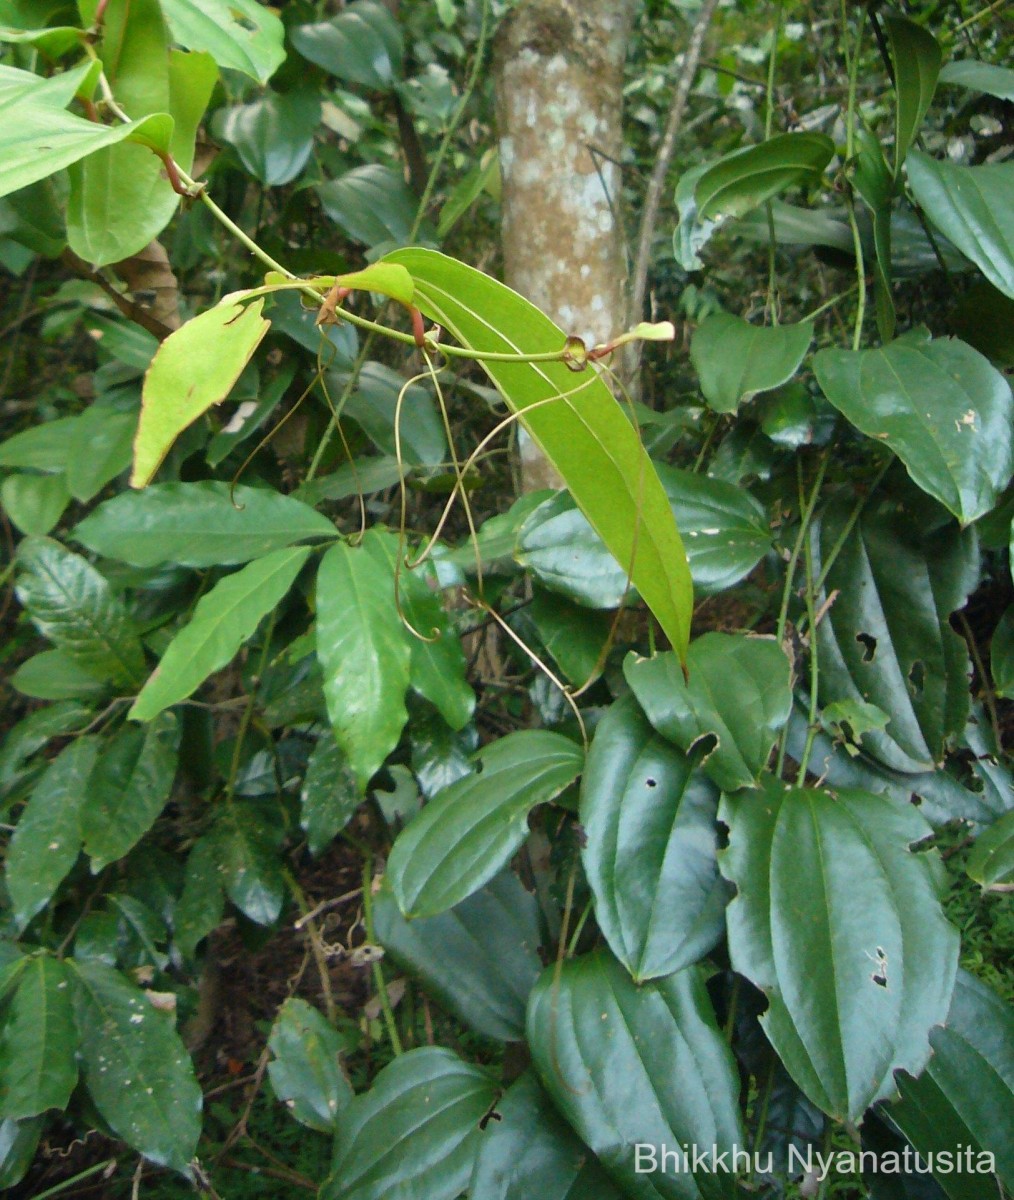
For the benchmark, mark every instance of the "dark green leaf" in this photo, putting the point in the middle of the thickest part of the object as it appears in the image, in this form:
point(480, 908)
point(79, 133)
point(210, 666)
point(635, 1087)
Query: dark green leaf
point(651, 840)
point(470, 830)
point(372, 204)
point(373, 405)
point(240, 34)
point(361, 45)
point(29, 736)
point(735, 360)
point(306, 1073)
point(253, 410)
point(18, 1142)
point(202, 904)
point(245, 839)
point(915, 56)
point(839, 923)
point(631, 1065)
point(329, 797)
point(743, 179)
point(574, 636)
point(414, 1133)
point(273, 135)
point(198, 525)
point(38, 1044)
point(479, 959)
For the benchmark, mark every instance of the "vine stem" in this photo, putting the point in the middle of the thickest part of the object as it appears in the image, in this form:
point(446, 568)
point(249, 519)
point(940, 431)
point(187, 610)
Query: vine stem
point(378, 971)
point(852, 61)
point(769, 120)
point(814, 657)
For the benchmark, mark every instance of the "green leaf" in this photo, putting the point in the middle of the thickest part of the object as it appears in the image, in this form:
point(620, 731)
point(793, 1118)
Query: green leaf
point(649, 853)
point(479, 959)
point(1001, 655)
point(34, 503)
point(484, 176)
point(128, 789)
point(629, 1065)
point(886, 639)
point(38, 1044)
point(373, 405)
point(980, 77)
point(735, 704)
point(73, 606)
point(47, 840)
point(361, 45)
point(306, 1073)
point(245, 842)
point(839, 923)
point(970, 205)
point(193, 369)
point(735, 360)
point(915, 57)
point(940, 406)
point(273, 135)
point(329, 797)
point(962, 1101)
point(243, 35)
point(202, 901)
point(135, 1066)
point(991, 863)
point(574, 636)
point(532, 1151)
point(223, 620)
point(364, 653)
point(373, 204)
point(55, 675)
point(469, 831)
point(585, 433)
point(100, 449)
point(414, 1133)
point(54, 42)
point(18, 1143)
point(45, 447)
point(198, 525)
point(31, 734)
point(745, 178)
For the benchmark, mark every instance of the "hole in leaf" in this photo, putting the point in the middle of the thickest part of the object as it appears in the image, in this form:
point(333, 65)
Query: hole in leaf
point(917, 677)
point(723, 835)
point(651, 783)
point(702, 748)
point(879, 980)
point(869, 645)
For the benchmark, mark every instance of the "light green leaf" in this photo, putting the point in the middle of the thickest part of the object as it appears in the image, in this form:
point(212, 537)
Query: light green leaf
point(47, 840)
point(54, 42)
point(38, 1043)
point(963, 1098)
point(942, 407)
point(34, 503)
point(839, 923)
point(243, 35)
point(978, 76)
point(991, 863)
point(584, 433)
point(479, 959)
point(55, 675)
point(128, 789)
point(203, 524)
point(735, 360)
point(364, 653)
point(414, 1133)
point(649, 853)
point(73, 606)
point(306, 1073)
point(193, 369)
point(223, 620)
point(135, 1067)
point(532, 1151)
point(361, 45)
point(330, 795)
point(915, 56)
point(56, 91)
point(745, 178)
point(629, 1065)
point(273, 134)
point(469, 831)
point(971, 206)
point(733, 707)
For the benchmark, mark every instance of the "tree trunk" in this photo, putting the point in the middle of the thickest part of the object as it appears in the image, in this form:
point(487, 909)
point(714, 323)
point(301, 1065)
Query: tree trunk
point(559, 95)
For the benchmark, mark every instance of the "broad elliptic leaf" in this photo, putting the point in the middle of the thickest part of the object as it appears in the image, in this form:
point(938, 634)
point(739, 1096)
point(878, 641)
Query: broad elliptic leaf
point(135, 1066)
point(306, 1072)
point(361, 45)
point(273, 134)
point(223, 620)
point(415, 1133)
point(575, 420)
point(631, 1065)
point(941, 406)
point(203, 524)
point(575, 637)
point(73, 606)
point(193, 369)
point(34, 503)
point(886, 639)
point(243, 35)
point(38, 1042)
point(650, 844)
point(128, 789)
point(735, 360)
point(737, 700)
point(743, 179)
point(532, 1151)
point(963, 1103)
point(991, 863)
point(467, 832)
point(479, 959)
point(47, 840)
point(372, 204)
point(978, 76)
point(329, 796)
point(915, 56)
point(54, 675)
point(364, 653)
point(971, 206)
point(837, 920)
point(374, 406)
point(245, 842)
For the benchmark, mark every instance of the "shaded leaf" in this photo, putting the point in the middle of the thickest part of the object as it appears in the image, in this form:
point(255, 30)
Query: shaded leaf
point(361, 45)
point(735, 360)
point(273, 135)
point(745, 178)
point(915, 57)
point(991, 862)
point(373, 406)
point(306, 1073)
point(245, 841)
point(373, 204)
point(329, 797)
point(38, 1043)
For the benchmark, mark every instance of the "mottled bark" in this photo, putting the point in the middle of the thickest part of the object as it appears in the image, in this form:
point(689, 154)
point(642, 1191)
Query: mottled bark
point(559, 84)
